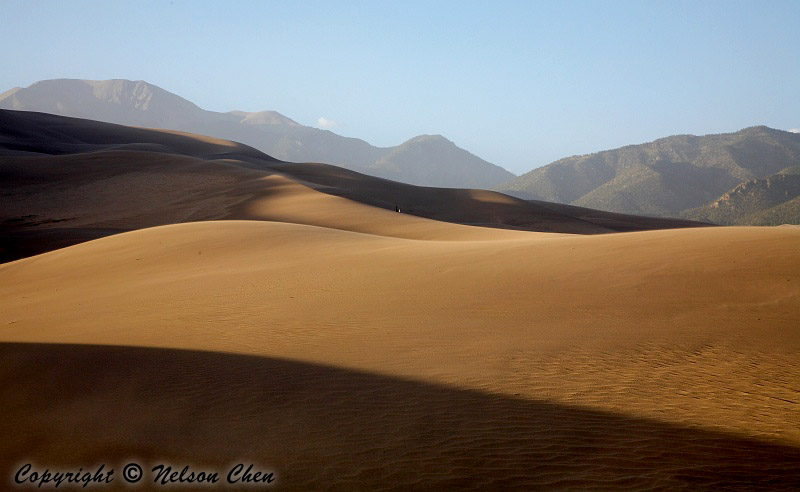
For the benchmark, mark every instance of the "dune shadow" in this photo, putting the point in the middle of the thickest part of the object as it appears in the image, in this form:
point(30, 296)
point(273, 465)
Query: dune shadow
point(321, 427)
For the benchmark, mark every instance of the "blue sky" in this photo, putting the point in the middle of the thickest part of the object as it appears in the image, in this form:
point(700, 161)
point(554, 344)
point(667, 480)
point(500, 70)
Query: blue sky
point(520, 84)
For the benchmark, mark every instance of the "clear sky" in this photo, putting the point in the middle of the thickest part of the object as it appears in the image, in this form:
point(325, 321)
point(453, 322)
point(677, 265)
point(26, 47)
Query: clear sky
point(520, 84)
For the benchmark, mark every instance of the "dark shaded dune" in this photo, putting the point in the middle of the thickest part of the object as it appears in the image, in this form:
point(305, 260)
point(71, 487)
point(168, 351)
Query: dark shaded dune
point(51, 134)
point(620, 222)
point(326, 427)
point(51, 202)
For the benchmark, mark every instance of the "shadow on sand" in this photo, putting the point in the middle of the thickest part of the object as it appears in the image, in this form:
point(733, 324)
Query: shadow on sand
point(325, 427)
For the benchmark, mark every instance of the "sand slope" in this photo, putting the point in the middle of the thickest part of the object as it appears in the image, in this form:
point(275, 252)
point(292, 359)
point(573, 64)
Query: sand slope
point(630, 359)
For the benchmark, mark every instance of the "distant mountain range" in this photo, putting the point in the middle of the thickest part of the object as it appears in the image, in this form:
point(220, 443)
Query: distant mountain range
point(747, 178)
point(428, 160)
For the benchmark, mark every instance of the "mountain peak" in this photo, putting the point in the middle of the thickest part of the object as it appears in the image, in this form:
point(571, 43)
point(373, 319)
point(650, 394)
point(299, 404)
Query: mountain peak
point(429, 139)
point(114, 101)
point(758, 129)
point(9, 93)
point(138, 94)
point(264, 118)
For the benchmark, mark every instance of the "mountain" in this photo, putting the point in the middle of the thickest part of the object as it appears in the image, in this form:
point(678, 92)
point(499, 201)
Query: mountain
point(263, 118)
point(115, 101)
point(434, 159)
point(666, 177)
point(138, 103)
point(773, 200)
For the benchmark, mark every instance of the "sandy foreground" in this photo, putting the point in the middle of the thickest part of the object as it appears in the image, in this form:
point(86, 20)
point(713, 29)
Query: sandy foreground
point(342, 345)
point(349, 359)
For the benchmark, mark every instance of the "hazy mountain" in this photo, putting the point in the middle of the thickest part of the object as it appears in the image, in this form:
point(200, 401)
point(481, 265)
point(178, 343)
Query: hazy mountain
point(418, 161)
point(263, 118)
point(114, 101)
point(773, 200)
point(666, 177)
point(432, 160)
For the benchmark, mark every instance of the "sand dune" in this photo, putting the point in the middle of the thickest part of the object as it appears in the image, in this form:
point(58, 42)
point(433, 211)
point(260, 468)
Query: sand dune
point(654, 330)
point(285, 314)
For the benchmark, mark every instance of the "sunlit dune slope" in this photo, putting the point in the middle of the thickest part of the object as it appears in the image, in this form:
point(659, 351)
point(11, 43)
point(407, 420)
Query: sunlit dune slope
point(641, 323)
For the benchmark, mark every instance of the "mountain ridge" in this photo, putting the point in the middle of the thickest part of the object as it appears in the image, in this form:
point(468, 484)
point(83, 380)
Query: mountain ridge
point(665, 177)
